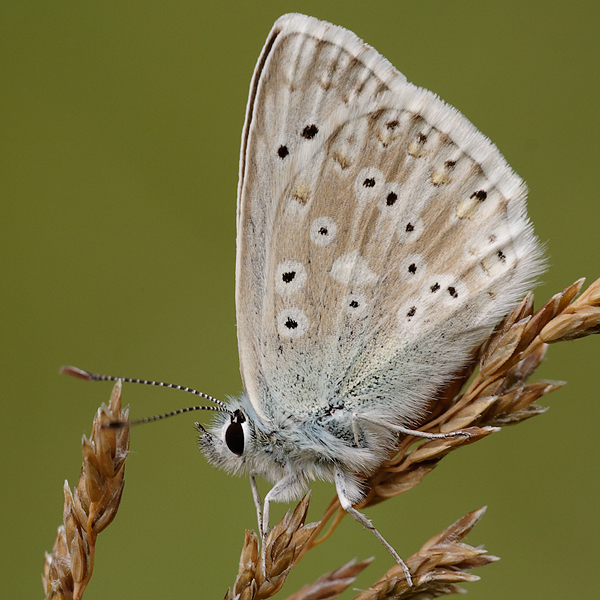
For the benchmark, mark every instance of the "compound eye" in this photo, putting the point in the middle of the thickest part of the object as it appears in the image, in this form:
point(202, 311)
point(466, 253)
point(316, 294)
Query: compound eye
point(234, 438)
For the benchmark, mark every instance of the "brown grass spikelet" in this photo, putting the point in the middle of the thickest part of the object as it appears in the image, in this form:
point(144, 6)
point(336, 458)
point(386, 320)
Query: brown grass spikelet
point(91, 507)
point(579, 319)
point(332, 584)
point(437, 568)
point(263, 575)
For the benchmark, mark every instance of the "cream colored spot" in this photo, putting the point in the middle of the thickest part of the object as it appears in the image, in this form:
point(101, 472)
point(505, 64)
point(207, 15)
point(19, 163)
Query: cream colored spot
point(389, 132)
point(352, 268)
point(416, 147)
point(440, 177)
point(496, 261)
point(487, 266)
point(301, 193)
point(385, 137)
point(326, 74)
point(342, 159)
point(466, 208)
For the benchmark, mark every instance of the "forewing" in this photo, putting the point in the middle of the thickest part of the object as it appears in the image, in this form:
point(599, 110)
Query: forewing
point(380, 235)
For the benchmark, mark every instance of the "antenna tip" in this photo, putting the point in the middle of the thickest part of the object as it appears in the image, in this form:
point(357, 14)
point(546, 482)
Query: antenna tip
point(115, 425)
point(75, 372)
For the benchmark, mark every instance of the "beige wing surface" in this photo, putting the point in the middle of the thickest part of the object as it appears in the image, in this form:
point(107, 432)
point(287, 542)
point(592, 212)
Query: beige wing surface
point(380, 235)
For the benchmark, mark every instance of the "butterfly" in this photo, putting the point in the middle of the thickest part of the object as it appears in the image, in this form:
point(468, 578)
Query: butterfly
point(380, 237)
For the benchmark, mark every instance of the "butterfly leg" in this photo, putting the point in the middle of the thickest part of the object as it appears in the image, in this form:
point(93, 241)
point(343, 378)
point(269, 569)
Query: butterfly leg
point(341, 488)
point(286, 489)
point(258, 505)
point(405, 430)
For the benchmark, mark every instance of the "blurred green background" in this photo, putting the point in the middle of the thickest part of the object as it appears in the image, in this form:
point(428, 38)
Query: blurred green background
point(119, 133)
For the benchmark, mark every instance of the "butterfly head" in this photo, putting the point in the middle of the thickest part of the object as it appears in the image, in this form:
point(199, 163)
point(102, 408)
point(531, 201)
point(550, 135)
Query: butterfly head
point(228, 442)
point(239, 441)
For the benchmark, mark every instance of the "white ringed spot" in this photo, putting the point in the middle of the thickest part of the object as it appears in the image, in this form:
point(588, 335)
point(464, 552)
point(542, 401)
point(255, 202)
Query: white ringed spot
point(368, 184)
point(290, 276)
point(444, 288)
point(323, 231)
point(355, 304)
point(292, 323)
point(413, 268)
point(409, 229)
point(412, 311)
point(389, 199)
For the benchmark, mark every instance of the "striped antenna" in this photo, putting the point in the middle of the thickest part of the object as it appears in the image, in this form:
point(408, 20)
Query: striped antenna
point(86, 375)
point(179, 411)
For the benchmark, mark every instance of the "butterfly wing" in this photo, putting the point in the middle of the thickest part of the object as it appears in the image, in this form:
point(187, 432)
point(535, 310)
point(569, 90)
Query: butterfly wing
point(380, 235)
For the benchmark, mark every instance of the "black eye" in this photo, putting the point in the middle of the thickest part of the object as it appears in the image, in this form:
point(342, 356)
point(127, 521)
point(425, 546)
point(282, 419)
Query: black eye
point(234, 438)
